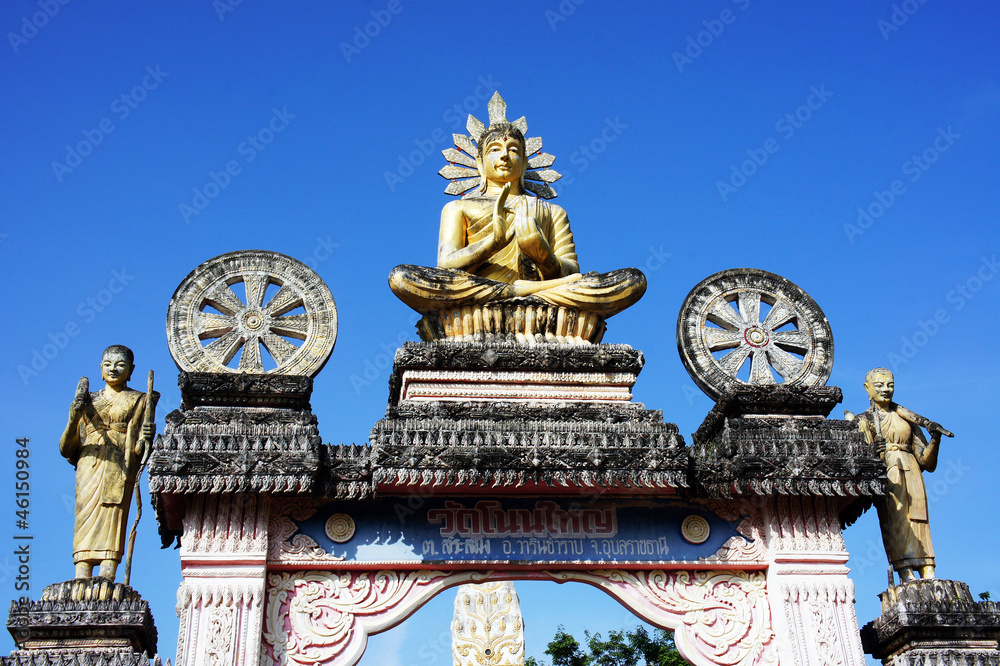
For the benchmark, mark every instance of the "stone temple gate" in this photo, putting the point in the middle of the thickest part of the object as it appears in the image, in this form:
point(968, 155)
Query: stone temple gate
point(511, 449)
point(501, 459)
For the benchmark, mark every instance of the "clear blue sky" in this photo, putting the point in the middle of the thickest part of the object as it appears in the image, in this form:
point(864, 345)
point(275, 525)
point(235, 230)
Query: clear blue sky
point(645, 124)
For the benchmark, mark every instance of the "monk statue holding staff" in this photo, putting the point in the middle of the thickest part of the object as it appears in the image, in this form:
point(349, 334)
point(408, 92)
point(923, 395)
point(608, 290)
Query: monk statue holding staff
point(106, 438)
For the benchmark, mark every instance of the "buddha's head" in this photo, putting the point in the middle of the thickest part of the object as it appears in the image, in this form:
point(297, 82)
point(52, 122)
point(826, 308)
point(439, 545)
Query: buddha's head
point(117, 364)
point(502, 156)
point(880, 386)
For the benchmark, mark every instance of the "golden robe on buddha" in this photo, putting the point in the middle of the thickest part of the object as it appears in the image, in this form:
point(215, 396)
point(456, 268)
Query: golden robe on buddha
point(430, 289)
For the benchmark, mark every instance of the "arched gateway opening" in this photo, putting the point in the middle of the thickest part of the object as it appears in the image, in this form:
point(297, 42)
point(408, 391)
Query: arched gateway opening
point(543, 611)
point(717, 617)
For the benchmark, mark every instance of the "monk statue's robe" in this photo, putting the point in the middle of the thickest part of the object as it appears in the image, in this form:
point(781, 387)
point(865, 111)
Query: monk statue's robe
point(903, 517)
point(106, 455)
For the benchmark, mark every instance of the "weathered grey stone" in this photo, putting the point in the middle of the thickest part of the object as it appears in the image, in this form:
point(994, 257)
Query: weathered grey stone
point(72, 625)
point(755, 443)
point(497, 444)
point(245, 433)
point(933, 621)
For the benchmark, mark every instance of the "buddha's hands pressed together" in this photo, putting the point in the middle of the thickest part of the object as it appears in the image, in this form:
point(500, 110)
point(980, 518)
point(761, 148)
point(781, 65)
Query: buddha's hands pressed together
point(530, 239)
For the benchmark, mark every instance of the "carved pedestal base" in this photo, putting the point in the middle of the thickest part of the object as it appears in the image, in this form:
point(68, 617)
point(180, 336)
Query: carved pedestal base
point(89, 621)
point(934, 623)
point(526, 321)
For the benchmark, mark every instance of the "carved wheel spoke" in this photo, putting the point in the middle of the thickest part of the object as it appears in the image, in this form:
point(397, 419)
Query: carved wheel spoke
point(250, 360)
point(212, 325)
point(206, 341)
point(750, 306)
point(735, 359)
point(760, 371)
point(284, 301)
point(779, 315)
point(718, 339)
point(224, 300)
point(723, 315)
point(225, 348)
point(784, 363)
point(293, 326)
point(256, 285)
point(794, 340)
point(280, 349)
point(799, 354)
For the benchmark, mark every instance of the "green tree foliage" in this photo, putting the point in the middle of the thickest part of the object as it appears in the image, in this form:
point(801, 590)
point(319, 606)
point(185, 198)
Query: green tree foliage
point(622, 648)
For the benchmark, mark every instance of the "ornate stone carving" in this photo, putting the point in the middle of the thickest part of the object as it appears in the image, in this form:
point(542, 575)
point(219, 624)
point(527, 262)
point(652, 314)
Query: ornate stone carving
point(718, 617)
point(95, 657)
point(761, 455)
point(287, 547)
point(326, 616)
point(724, 312)
point(526, 321)
point(216, 389)
point(225, 524)
point(221, 624)
point(798, 524)
point(819, 612)
point(220, 610)
point(751, 547)
point(933, 621)
point(506, 355)
point(487, 628)
point(205, 307)
point(86, 617)
point(436, 453)
point(516, 386)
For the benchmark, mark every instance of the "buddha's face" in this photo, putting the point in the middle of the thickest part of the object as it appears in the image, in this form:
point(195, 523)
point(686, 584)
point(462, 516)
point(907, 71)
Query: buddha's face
point(115, 369)
point(880, 388)
point(503, 159)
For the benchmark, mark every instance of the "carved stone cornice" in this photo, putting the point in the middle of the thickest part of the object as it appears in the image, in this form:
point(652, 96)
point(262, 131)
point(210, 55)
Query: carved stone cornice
point(73, 657)
point(61, 621)
point(932, 615)
point(768, 455)
point(438, 452)
point(503, 355)
point(244, 390)
point(497, 411)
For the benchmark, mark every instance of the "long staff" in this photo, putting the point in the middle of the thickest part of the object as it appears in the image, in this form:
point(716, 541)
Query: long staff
point(148, 419)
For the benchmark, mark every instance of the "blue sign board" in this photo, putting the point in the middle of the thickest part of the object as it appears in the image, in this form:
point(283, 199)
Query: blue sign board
point(518, 530)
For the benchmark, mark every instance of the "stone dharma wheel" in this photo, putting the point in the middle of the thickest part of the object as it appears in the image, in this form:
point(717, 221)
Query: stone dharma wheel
point(748, 326)
point(252, 311)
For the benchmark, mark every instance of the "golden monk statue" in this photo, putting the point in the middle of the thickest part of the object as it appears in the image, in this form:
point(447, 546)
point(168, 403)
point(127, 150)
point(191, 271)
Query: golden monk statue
point(896, 434)
point(499, 242)
point(106, 438)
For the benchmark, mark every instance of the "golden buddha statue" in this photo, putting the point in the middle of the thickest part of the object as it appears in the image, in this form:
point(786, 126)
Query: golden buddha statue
point(500, 244)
